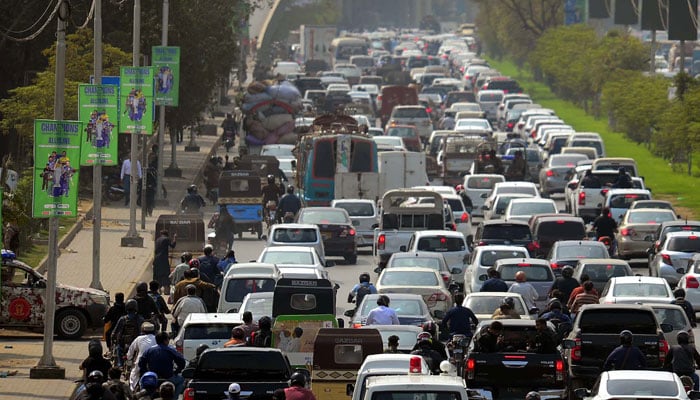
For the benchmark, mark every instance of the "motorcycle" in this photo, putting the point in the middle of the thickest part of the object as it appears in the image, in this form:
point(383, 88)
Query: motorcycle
point(458, 346)
point(229, 139)
point(271, 213)
point(112, 189)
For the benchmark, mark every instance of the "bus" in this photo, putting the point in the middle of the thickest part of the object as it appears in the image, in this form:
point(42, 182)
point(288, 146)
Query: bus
point(335, 146)
point(343, 48)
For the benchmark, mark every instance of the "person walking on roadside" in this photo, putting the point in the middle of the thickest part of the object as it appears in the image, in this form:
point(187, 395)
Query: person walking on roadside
point(125, 177)
point(161, 259)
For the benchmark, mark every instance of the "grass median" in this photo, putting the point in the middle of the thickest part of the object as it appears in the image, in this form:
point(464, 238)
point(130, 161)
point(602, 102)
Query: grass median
point(665, 183)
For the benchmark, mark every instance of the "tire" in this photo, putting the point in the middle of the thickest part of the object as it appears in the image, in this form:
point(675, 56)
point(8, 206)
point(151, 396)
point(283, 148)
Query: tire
point(70, 324)
point(351, 258)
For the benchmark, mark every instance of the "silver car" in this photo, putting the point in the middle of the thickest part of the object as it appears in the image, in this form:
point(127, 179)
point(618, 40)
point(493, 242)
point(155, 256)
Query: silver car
point(671, 261)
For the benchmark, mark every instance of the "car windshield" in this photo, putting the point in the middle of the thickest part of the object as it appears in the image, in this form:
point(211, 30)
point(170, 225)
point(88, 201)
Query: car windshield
point(502, 203)
point(487, 305)
point(441, 244)
point(258, 306)
point(490, 97)
point(294, 235)
point(650, 217)
point(277, 151)
point(357, 209)
point(416, 395)
point(638, 289)
point(488, 258)
point(581, 251)
point(238, 288)
point(287, 257)
point(408, 278)
point(401, 132)
point(401, 306)
point(567, 160)
point(414, 112)
point(531, 190)
point(526, 208)
point(625, 200)
point(535, 273)
point(642, 388)
point(323, 217)
point(603, 272)
point(685, 244)
point(424, 262)
point(388, 140)
point(456, 205)
point(507, 232)
point(473, 123)
point(562, 229)
point(483, 182)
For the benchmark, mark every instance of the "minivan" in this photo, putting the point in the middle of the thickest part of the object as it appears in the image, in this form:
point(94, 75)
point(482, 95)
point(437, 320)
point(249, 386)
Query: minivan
point(244, 278)
point(547, 229)
point(297, 235)
point(364, 217)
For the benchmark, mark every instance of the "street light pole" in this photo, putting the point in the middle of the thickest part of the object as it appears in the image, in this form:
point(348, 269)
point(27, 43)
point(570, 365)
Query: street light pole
point(97, 168)
point(161, 123)
point(132, 238)
point(47, 368)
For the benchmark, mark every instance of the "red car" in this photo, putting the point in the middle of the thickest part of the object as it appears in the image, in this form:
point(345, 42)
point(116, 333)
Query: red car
point(409, 135)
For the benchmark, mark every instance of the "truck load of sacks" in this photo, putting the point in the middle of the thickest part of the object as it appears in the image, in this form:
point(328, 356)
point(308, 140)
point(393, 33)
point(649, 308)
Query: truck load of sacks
point(270, 108)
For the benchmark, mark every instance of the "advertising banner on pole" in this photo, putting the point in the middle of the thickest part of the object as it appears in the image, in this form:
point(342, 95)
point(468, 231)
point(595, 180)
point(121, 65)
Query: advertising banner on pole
point(136, 97)
point(56, 148)
point(98, 111)
point(166, 62)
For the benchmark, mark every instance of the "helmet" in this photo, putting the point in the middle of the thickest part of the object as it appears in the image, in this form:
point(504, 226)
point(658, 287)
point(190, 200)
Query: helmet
point(383, 300)
point(532, 396)
point(149, 380)
point(186, 256)
point(682, 337)
point(297, 378)
point(459, 188)
point(270, 178)
point(194, 263)
point(423, 336)
point(131, 305)
point(567, 272)
point(622, 171)
point(625, 337)
point(364, 277)
point(192, 189)
point(430, 327)
point(265, 322)
point(96, 377)
point(290, 189)
point(508, 302)
point(148, 327)
point(554, 304)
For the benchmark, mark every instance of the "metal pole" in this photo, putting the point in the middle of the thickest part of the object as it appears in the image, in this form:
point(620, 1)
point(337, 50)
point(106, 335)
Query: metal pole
point(132, 237)
point(682, 59)
point(47, 368)
point(652, 61)
point(161, 122)
point(97, 169)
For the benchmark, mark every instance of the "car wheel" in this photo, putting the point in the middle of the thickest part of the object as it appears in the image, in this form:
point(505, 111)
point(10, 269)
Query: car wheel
point(351, 258)
point(70, 324)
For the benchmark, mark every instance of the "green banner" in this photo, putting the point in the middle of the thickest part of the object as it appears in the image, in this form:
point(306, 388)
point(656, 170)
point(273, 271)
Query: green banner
point(98, 111)
point(56, 147)
point(166, 62)
point(136, 96)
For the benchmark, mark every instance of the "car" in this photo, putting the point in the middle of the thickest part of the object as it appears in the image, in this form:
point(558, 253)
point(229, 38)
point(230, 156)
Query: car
point(411, 309)
point(212, 329)
point(582, 139)
point(258, 303)
point(554, 174)
point(389, 143)
point(501, 202)
point(635, 385)
point(619, 200)
point(451, 245)
point(292, 256)
point(478, 187)
point(427, 283)
point(523, 209)
point(297, 235)
point(443, 190)
point(413, 115)
point(662, 204)
point(667, 227)
point(460, 215)
point(409, 134)
point(549, 228)
point(364, 216)
point(285, 67)
point(510, 187)
point(500, 231)
point(338, 87)
point(278, 150)
point(675, 316)
point(483, 258)
point(423, 259)
point(538, 272)
point(635, 229)
point(690, 282)
point(336, 229)
point(600, 270)
point(569, 252)
point(636, 289)
point(671, 261)
point(407, 335)
point(484, 304)
point(478, 125)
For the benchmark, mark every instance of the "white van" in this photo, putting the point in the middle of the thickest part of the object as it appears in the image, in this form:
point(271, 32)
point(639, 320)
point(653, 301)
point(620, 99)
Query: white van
point(212, 329)
point(245, 278)
point(478, 184)
point(297, 235)
point(363, 214)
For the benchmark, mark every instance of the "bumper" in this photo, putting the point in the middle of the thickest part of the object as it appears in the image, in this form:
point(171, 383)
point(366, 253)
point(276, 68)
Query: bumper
point(550, 185)
point(340, 248)
point(364, 238)
point(632, 248)
point(584, 372)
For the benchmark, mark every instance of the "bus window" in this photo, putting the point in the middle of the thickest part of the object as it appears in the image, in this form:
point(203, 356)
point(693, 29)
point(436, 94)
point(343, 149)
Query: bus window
point(324, 160)
point(362, 160)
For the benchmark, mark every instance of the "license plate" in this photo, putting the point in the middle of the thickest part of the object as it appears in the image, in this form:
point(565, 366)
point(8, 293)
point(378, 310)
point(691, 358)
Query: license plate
point(326, 235)
point(458, 351)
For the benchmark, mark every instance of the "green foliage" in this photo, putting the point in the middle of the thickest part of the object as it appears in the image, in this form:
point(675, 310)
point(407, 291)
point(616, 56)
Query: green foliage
point(18, 209)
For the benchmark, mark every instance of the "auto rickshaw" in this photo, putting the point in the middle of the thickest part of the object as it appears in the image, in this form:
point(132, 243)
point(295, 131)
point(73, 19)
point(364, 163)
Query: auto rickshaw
point(240, 192)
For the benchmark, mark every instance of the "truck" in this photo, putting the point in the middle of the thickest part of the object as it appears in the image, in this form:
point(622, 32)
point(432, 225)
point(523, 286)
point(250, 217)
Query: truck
point(456, 157)
point(586, 202)
point(400, 216)
point(315, 42)
point(384, 365)
point(396, 170)
point(259, 371)
point(516, 369)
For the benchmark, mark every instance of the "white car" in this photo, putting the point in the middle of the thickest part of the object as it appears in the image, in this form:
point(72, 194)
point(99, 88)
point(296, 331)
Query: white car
point(523, 209)
point(510, 187)
point(620, 200)
point(484, 304)
point(500, 203)
point(258, 303)
point(294, 257)
point(364, 216)
point(636, 289)
point(483, 258)
point(415, 280)
point(338, 87)
point(478, 187)
point(638, 384)
point(452, 246)
point(389, 143)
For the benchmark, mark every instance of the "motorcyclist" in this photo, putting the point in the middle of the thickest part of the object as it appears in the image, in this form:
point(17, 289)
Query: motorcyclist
point(127, 330)
point(271, 195)
point(360, 290)
point(566, 283)
point(230, 127)
point(496, 162)
point(289, 204)
point(297, 388)
point(212, 171)
point(149, 387)
point(425, 350)
point(458, 319)
point(160, 359)
point(606, 226)
point(518, 168)
point(192, 202)
point(431, 328)
point(139, 346)
point(148, 309)
point(683, 358)
point(625, 356)
point(94, 389)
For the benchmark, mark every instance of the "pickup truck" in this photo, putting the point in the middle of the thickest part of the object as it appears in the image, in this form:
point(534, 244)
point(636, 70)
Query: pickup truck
point(259, 371)
point(516, 369)
point(596, 332)
point(401, 215)
point(587, 201)
point(384, 365)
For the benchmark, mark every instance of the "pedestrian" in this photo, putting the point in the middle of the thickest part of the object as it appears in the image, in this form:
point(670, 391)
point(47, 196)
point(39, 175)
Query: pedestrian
point(153, 157)
point(683, 358)
point(392, 345)
point(11, 238)
point(188, 305)
point(382, 314)
point(161, 305)
point(178, 273)
point(525, 289)
point(125, 177)
point(161, 259)
point(494, 283)
point(626, 355)
point(116, 311)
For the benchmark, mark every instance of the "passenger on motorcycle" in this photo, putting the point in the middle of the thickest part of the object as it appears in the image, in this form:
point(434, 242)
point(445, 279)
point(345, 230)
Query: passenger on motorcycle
point(192, 203)
point(458, 319)
point(360, 290)
point(148, 387)
point(431, 328)
point(146, 340)
point(425, 350)
point(225, 227)
point(148, 309)
point(160, 359)
point(94, 388)
point(517, 171)
point(126, 331)
point(606, 226)
point(289, 205)
point(271, 195)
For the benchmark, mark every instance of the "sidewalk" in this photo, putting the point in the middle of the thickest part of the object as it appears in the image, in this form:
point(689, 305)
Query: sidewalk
point(121, 268)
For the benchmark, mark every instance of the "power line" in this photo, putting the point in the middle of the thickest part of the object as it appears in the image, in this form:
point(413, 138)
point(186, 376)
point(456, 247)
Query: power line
point(89, 16)
point(37, 33)
point(48, 7)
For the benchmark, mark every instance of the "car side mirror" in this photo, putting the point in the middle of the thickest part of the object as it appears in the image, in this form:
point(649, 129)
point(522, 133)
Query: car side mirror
point(402, 248)
point(666, 328)
point(349, 313)
point(456, 271)
point(349, 389)
point(188, 373)
point(533, 310)
point(41, 284)
point(582, 392)
point(330, 264)
point(378, 270)
point(439, 314)
point(483, 277)
point(568, 343)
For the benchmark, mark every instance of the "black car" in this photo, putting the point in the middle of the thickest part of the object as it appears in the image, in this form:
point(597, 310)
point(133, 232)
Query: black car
point(336, 230)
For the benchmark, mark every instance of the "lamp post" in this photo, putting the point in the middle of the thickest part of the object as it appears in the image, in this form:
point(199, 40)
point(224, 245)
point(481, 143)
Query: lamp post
point(97, 169)
point(161, 123)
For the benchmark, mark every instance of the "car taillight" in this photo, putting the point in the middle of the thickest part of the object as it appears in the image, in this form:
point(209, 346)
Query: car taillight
point(428, 110)
point(347, 232)
point(454, 227)
point(549, 172)
point(446, 278)
point(582, 199)
point(465, 217)
point(576, 351)
point(554, 265)
point(533, 246)
point(663, 349)
point(357, 325)
point(626, 232)
point(666, 259)
point(533, 133)
point(509, 125)
point(352, 232)
point(381, 242)
point(437, 296)
point(189, 394)
point(691, 282)
point(471, 364)
point(482, 243)
point(415, 365)
point(559, 367)
point(604, 192)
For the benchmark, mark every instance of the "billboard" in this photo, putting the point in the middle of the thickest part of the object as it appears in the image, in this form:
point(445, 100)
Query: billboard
point(136, 98)
point(98, 110)
point(166, 62)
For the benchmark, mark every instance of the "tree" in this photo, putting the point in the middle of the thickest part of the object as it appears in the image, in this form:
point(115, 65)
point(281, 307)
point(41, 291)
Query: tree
point(679, 133)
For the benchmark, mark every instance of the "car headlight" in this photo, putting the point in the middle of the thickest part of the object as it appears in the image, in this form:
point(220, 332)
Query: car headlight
point(100, 299)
